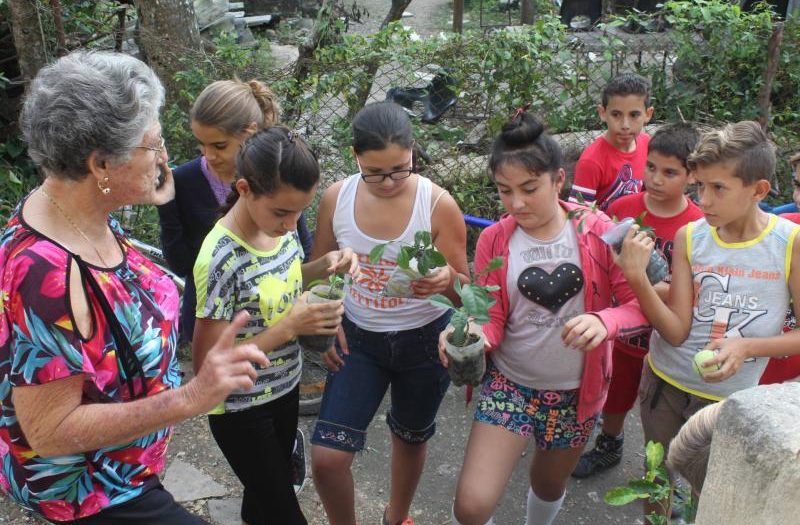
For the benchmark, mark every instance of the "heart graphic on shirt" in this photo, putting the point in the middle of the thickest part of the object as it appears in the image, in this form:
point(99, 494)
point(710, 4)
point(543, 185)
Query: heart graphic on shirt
point(550, 290)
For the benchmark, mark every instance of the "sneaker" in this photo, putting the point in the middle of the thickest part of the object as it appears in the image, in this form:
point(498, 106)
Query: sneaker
point(297, 463)
point(606, 453)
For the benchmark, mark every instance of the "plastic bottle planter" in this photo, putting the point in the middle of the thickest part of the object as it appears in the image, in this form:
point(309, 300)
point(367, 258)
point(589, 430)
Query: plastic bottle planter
point(399, 284)
point(657, 267)
point(467, 363)
point(465, 348)
point(320, 293)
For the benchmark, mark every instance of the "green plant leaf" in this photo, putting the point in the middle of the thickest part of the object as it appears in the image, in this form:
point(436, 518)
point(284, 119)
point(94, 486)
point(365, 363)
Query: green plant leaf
point(422, 263)
point(437, 259)
point(403, 257)
point(492, 265)
point(619, 496)
point(14, 148)
point(440, 300)
point(643, 486)
point(469, 300)
point(376, 253)
point(654, 453)
point(423, 238)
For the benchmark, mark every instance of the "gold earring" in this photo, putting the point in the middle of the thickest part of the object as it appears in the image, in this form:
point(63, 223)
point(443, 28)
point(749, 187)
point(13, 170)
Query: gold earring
point(103, 186)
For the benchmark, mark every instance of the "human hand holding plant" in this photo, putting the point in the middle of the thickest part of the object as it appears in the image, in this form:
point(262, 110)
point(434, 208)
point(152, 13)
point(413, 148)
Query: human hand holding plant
point(306, 318)
point(341, 262)
point(327, 294)
point(464, 345)
point(415, 263)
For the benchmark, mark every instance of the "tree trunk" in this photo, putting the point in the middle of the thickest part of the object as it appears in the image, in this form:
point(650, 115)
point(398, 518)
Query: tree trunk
point(167, 33)
point(29, 37)
point(306, 50)
point(528, 12)
point(773, 59)
point(458, 16)
point(364, 88)
point(395, 12)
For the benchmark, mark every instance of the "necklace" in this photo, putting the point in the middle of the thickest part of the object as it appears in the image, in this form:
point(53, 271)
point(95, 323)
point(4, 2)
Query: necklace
point(74, 226)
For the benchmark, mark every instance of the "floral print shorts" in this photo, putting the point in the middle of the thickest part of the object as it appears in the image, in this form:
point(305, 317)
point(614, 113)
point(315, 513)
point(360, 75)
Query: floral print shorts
point(550, 416)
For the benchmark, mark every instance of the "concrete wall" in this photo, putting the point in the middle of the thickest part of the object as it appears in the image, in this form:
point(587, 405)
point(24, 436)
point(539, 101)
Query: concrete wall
point(754, 469)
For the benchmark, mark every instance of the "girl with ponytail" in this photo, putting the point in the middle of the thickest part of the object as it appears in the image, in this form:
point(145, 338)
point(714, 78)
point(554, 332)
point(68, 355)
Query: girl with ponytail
point(252, 261)
point(551, 330)
point(224, 115)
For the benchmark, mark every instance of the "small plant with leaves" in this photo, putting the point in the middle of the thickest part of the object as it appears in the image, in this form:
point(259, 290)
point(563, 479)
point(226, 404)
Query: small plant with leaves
point(414, 261)
point(657, 268)
point(464, 348)
point(323, 291)
point(654, 487)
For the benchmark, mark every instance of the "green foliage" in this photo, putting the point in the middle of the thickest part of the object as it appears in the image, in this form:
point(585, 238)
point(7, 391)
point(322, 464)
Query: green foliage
point(228, 60)
point(422, 254)
point(475, 303)
point(654, 487)
point(18, 176)
point(336, 282)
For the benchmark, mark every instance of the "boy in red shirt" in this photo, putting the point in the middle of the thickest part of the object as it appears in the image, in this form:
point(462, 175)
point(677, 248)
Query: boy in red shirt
point(613, 165)
point(666, 208)
point(782, 369)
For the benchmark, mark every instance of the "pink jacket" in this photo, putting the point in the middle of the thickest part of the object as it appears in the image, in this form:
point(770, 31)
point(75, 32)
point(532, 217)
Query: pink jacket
point(605, 285)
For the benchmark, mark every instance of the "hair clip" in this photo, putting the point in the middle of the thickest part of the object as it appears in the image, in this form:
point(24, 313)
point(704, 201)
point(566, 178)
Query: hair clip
point(520, 110)
point(290, 135)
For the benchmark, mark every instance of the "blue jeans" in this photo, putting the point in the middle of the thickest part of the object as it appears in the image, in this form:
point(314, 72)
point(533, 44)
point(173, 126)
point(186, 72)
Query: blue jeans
point(406, 360)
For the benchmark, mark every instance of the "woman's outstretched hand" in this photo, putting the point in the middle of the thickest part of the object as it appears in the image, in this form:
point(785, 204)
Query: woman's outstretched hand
point(226, 367)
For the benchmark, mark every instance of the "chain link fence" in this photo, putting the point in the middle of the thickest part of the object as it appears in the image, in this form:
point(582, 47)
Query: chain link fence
point(559, 74)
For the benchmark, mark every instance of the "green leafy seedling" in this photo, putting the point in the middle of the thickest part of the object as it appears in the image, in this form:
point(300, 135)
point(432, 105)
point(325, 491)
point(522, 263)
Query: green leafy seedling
point(422, 252)
point(335, 282)
point(654, 486)
point(475, 303)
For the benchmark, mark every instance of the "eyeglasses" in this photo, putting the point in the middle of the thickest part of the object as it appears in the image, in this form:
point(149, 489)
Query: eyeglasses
point(158, 148)
point(377, 178)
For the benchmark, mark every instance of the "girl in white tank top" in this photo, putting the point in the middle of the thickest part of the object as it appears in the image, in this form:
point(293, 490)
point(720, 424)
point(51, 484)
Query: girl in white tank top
point(392, 341)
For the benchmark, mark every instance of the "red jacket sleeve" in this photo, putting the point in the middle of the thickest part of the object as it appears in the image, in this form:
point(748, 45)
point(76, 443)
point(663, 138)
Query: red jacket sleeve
point(485, 251)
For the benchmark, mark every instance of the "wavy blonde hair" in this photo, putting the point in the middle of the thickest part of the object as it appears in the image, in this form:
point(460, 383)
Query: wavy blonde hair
point(232, 105)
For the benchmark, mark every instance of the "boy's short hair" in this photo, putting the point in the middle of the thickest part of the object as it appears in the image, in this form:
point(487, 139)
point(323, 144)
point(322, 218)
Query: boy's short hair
point(744, 143)
point(677, 139)
point(627, 84)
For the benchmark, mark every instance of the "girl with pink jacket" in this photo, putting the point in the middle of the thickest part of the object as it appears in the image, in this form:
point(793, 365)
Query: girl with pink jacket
point(551, 330)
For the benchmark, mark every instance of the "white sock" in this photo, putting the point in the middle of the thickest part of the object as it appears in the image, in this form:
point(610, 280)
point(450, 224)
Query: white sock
point(456, 522)
point(542, 512)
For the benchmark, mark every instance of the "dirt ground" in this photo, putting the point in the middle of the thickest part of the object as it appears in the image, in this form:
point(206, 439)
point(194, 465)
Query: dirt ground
point(192, 443)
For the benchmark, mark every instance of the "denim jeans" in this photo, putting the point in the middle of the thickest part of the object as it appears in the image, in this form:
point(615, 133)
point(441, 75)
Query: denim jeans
point(408, 361)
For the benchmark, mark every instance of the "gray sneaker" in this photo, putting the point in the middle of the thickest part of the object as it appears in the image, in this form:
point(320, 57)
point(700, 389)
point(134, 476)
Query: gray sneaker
point(607, 452)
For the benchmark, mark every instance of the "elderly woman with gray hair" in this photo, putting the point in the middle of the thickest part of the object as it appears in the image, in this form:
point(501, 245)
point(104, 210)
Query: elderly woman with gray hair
point(89, 382)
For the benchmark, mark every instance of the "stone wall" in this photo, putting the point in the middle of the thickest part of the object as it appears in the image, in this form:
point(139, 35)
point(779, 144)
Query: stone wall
point(754, 468)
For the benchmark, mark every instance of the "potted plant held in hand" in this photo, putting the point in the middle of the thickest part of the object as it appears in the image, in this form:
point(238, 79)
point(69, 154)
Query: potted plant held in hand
point(415, 261)
point(323, 292)
point(465, 348)
point(657, 267)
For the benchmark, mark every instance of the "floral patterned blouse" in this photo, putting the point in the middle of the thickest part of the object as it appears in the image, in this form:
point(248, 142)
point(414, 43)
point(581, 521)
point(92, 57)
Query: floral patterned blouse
point(39, 344)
